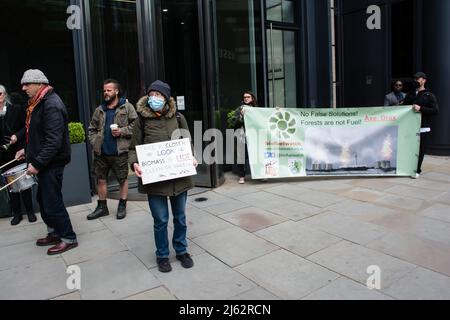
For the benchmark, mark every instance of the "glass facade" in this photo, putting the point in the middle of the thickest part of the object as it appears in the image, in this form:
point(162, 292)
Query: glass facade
point(35, 35)
point(115, 46)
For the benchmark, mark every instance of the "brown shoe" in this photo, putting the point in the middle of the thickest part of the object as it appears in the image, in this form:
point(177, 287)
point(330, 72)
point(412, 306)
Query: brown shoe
point(48, 241)
point(61, 247)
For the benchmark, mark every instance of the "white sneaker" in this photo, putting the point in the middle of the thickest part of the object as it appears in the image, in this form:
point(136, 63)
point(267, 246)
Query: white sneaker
point(416, 176)
point(241, 180)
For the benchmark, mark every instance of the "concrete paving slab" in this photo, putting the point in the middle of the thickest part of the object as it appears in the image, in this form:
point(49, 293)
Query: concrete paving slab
point(266, 200)
point(378, 184)
point(213, 198)
point(22, 234)
point(345, 227)
point(115, 277)
point(325, 185)
point(360, 210)
point(234, 246)
point(431, 185)
point(160, 293)
point(38, 281)
point(81, 225)
point(22, 254)
point(209, 279)
point(400, 202)
point(352, 261)
point(435, 176)
point(286, 275)
point(346, 289)
point(443, 198)
point(362, 194)
point(422, 252)
point(201, 222)
point(133, 224)
point(297, 238)
point(143, 247)
point(226, 207)
point(93, 245)
point(412, 192)
point(438, 211)
point(285, 191)
point(252, 219)
point(71, 296)
point(320, 199)
point(421, 284)
point(297, 212)
point(257, 294)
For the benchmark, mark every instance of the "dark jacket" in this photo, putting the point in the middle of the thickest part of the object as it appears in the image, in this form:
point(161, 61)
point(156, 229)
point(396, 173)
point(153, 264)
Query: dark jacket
point(392, 100)
point(48, 144)
point(12, 123)
point(236, 120)
point(428, 103)
point(149, 128)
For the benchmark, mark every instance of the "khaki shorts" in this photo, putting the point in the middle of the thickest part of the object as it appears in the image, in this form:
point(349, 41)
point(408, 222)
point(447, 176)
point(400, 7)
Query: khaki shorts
point(118, 164)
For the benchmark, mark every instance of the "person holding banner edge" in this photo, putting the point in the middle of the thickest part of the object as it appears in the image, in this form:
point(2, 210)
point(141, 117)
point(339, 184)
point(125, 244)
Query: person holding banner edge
point(237, 123)
point(157, 121)
point(425, 102)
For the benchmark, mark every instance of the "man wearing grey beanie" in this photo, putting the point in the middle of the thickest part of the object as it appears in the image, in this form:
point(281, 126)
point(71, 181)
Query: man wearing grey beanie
point(47, 151)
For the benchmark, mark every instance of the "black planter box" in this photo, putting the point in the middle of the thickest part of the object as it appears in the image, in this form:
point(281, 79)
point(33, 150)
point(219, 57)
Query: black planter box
point(76, 185)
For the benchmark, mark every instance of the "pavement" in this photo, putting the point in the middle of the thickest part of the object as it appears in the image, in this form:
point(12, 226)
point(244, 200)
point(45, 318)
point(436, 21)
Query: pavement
point(286, 239)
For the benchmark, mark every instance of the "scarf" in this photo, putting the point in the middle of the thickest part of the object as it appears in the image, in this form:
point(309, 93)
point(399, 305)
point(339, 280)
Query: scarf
point(32, 103)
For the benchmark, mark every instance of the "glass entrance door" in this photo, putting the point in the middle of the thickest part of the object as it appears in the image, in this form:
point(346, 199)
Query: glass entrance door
point(181, 55)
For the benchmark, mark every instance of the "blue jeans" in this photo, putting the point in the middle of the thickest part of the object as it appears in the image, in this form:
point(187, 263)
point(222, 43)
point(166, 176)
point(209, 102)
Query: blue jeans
point(160, 212)
point(51, 204)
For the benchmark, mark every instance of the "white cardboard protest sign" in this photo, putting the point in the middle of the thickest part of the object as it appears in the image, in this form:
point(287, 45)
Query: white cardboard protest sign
point(166, 160)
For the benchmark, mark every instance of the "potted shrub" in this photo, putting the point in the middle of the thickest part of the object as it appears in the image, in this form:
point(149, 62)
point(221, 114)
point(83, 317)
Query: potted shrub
point(76, 185)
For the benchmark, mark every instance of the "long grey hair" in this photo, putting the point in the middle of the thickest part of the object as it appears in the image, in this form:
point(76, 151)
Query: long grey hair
point(3, 89)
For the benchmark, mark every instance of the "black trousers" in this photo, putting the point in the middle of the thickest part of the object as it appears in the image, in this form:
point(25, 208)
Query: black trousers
point(27, 199)
point(424, 137)
point(241, 168)
point(50, 199)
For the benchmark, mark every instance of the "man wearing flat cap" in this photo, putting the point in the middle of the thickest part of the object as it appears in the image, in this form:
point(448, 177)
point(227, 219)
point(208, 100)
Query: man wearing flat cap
point(425, 102)
point(47, 152)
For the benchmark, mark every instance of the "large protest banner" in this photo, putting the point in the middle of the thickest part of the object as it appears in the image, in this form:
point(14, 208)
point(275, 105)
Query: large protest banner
point(166, 160)
point(378, 141)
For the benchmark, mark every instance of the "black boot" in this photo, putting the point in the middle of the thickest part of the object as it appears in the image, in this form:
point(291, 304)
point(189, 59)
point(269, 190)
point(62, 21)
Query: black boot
point(16, 219)
point(31, 217)
point(28, 202)
point(100, 211)
point(122, 209)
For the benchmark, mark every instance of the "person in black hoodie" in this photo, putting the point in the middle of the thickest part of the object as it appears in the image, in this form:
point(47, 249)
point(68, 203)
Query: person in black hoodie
point(47, 151)
point(425, 102)
point(11, 139)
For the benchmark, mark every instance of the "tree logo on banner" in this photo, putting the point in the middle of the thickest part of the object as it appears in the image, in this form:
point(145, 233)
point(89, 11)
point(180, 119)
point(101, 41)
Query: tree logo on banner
point(282, 125)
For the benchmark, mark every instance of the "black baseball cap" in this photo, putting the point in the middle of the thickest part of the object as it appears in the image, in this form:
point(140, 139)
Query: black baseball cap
point(420, 75)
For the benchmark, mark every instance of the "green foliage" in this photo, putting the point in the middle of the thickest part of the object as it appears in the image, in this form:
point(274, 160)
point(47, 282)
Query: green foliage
point(232, 119)
point(76, 132)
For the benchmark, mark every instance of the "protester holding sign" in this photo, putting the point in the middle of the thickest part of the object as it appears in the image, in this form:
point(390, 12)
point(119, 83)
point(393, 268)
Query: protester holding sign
point(425, 102)
point(157, 121)
point(236, 121)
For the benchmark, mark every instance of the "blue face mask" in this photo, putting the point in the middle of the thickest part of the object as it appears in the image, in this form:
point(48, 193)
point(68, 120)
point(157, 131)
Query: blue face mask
point(156, 103)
